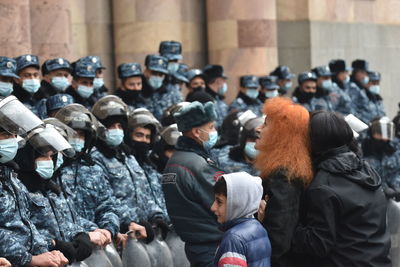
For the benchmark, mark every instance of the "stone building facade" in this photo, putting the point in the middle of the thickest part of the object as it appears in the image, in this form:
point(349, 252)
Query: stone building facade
point(246, 36)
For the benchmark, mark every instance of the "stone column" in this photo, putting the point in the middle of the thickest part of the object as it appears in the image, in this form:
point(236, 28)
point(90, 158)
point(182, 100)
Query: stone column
point(242, 38)
point(100, 37)
point(140, 25)
point(50, 29)
point(15, 32)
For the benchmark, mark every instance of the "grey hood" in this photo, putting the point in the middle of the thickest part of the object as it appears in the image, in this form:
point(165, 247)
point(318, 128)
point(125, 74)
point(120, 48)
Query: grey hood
point(244, 193)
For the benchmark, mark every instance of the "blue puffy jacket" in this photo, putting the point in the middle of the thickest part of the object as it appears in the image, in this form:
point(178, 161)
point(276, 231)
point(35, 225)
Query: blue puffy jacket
point(244, 243)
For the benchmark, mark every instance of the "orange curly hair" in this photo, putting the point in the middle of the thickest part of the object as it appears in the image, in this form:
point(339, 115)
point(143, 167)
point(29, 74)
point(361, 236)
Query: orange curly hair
point(285, 142)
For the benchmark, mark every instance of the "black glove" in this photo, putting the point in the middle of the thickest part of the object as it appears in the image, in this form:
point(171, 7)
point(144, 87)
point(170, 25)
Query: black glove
point(162, 226)
point(149, 231)
point(391, 192)
point(83, 246)
point(67, 248)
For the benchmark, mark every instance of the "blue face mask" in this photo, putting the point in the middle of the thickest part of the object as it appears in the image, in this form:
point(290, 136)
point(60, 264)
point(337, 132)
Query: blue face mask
point(45, 168)
point(252, 93)
point(365, 80)
point(347, 80)
point(250, 150)
point(327, 84)
point(156, 81)
point(60, 83)
point(375, 89)
point(8, 149)
point(84, 91)
point(212, 139)
point(286, 87)
point(6, 88)
point(31, 85)
point(98, 83)
point(59, 161)
point(173, 67)
point(271, 94)
point(222, 90)
point(77, 144)
point(114, 137)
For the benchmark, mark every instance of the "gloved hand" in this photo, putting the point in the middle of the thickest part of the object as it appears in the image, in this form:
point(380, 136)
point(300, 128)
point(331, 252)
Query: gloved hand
point(149, 231)
point(83, 246)
point(391, 192)
point(67, 248)
point(163, 226)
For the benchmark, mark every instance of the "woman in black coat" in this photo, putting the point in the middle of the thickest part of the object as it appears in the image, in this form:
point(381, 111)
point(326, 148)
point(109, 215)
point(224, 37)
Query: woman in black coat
point(284, 160)
point(345, 222)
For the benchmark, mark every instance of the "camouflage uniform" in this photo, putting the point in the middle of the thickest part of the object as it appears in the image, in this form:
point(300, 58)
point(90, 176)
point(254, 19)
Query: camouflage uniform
point(243, 103)
point(158, 101)
point(229, 165)
point(340, 100)
point(91, 194)
point(130, 186)
point(365, 108)
point(20, 238)
point(53, 217)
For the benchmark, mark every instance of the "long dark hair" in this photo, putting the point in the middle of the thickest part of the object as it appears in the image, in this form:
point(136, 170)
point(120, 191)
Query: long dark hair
point(329, 130)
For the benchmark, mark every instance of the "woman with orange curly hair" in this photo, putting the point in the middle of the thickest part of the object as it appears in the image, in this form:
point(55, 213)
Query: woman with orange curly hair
point(284, 160)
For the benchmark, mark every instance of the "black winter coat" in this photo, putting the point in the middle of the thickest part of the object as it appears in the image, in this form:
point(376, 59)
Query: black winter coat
point(345, 223)
point(282, 215)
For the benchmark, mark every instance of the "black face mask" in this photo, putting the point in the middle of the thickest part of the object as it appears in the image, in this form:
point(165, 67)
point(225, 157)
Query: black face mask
point(199, 88)
point(140, 150)
point(132, 94)
point(305, 97)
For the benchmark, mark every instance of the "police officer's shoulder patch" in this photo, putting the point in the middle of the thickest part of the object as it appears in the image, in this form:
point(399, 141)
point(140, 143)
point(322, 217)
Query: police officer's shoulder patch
point(168, 178)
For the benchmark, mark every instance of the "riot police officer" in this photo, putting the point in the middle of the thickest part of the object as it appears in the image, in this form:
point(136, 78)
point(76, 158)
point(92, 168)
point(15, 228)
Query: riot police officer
point(180, 76)
point(55, 74)
point(158, 97)
point(247, 99)
point(49, 107)
point(340, 74)
point(304, 93)
point(8, 67)
point(375, 102)
point(131, 77)
point(99, 88)
point(357, 91)
point(284, 79)
point(217, 87)
point(269, 88)
point(90, 192)
point(196, 82)
point(81, 89)
point(29, 80)
point(22, 244)
point(242, 156)
point(122, 171)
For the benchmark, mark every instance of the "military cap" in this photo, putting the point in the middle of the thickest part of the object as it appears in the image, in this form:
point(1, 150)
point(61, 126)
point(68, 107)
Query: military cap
point(306, 76)
point(180, 74)
point(269, 82)
point(212, 72)
point(322, 71)
point(8, 67)
point(55, 64)
point(338, 65)
point(249, 81)
point(126, 70)
point(193, 73)
point(360, 64)
point(83, 68)
point(25, 61)
point(58, 101)
point(157, 63)
point(172, 50)
point(282, 72)
point(94, 60)
point(374, 76)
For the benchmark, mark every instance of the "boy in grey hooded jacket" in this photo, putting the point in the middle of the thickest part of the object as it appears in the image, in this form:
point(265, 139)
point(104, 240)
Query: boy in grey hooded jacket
point(245, 241)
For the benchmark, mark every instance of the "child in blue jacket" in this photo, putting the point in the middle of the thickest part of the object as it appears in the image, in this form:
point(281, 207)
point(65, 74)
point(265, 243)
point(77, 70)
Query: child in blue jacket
point(245, 241)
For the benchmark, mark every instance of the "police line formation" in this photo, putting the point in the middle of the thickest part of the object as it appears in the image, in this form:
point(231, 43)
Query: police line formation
point(81, 169)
